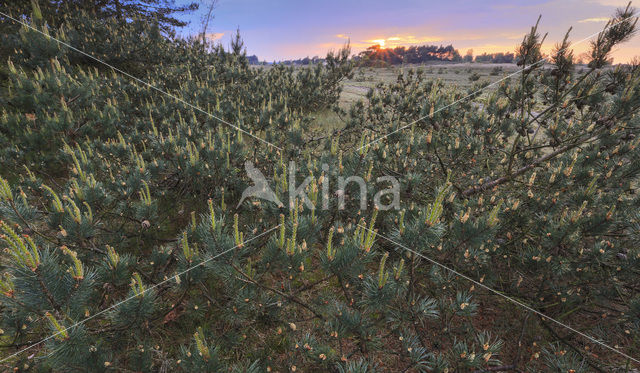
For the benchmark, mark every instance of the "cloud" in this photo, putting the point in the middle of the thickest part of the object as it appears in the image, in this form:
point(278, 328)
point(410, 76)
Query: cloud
point(513, 36)
point(617, 3)
point(391, 41)
point(491, 48)
point(215, 36)
point(380, 42)
point(491, 38)
point(398, 40)
point(596, 19)
point(324, 47)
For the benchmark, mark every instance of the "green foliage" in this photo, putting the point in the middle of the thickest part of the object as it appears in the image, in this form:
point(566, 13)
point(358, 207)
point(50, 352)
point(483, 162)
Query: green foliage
point(123, 241)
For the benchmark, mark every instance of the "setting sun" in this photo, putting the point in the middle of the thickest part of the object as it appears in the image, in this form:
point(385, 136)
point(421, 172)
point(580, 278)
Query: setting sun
point(213, 185)
point(394, 41)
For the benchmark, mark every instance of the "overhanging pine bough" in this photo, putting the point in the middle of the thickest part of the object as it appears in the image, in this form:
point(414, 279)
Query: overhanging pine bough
point(104, 182)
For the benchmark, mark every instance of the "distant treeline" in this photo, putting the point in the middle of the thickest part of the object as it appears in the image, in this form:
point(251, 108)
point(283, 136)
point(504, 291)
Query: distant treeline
point(378, 56)
point(253, 60)
point(491, 58)
point(302, 61)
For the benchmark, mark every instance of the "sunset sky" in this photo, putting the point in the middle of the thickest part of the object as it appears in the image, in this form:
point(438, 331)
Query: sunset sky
point(284, 29)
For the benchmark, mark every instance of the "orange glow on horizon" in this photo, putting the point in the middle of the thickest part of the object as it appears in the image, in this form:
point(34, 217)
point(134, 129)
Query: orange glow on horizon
point(399, 40)
point(478, 43)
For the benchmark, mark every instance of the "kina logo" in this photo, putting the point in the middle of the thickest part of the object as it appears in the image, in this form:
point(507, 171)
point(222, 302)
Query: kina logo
point(260, 189)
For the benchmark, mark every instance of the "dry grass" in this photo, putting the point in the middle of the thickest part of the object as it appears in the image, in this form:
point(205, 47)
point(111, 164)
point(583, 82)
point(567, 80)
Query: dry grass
point(459, 75)
point(366, 78)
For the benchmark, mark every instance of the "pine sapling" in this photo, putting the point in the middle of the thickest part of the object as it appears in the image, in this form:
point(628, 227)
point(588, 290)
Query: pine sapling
point(401, 226)
point(61, 332)
point(237, 235)
point(283, 227)
point(112, 257)
point(493, 216)
point(331, 251)
point(383, 275)
point(5, 190)
point(137, 285)
point(73, 210)
point(6, 285)
point(25, 254)
point(212, 215)
point(57, 204)
point(145, 194)
point(371, 232)
point(397, 270)
point(187, 251)
point(77, 269)
point(434, 211)
point(201, 344)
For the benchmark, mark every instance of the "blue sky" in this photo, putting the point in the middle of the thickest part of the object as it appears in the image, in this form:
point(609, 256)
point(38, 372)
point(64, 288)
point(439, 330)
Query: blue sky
point(282, 29)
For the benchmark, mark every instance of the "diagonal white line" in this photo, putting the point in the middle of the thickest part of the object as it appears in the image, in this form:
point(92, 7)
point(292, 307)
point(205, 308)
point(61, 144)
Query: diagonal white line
point(518, 303)
point(135, 296)
point(142, 81)
point(488, 86)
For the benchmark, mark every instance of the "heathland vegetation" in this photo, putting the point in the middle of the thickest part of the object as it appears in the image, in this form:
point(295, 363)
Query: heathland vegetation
point(123, 149)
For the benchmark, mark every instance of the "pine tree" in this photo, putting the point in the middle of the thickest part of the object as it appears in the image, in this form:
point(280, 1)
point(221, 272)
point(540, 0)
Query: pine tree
point(124, 248)
point(56, 12)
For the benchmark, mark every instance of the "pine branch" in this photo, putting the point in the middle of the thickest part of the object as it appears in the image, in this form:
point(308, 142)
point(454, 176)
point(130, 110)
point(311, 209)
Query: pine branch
point(289, 297)
point(570, 345)
point(499, 181)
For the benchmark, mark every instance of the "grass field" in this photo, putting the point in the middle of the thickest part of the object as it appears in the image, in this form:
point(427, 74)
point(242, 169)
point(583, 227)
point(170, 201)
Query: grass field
point(460, 75)
point(366, 78)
